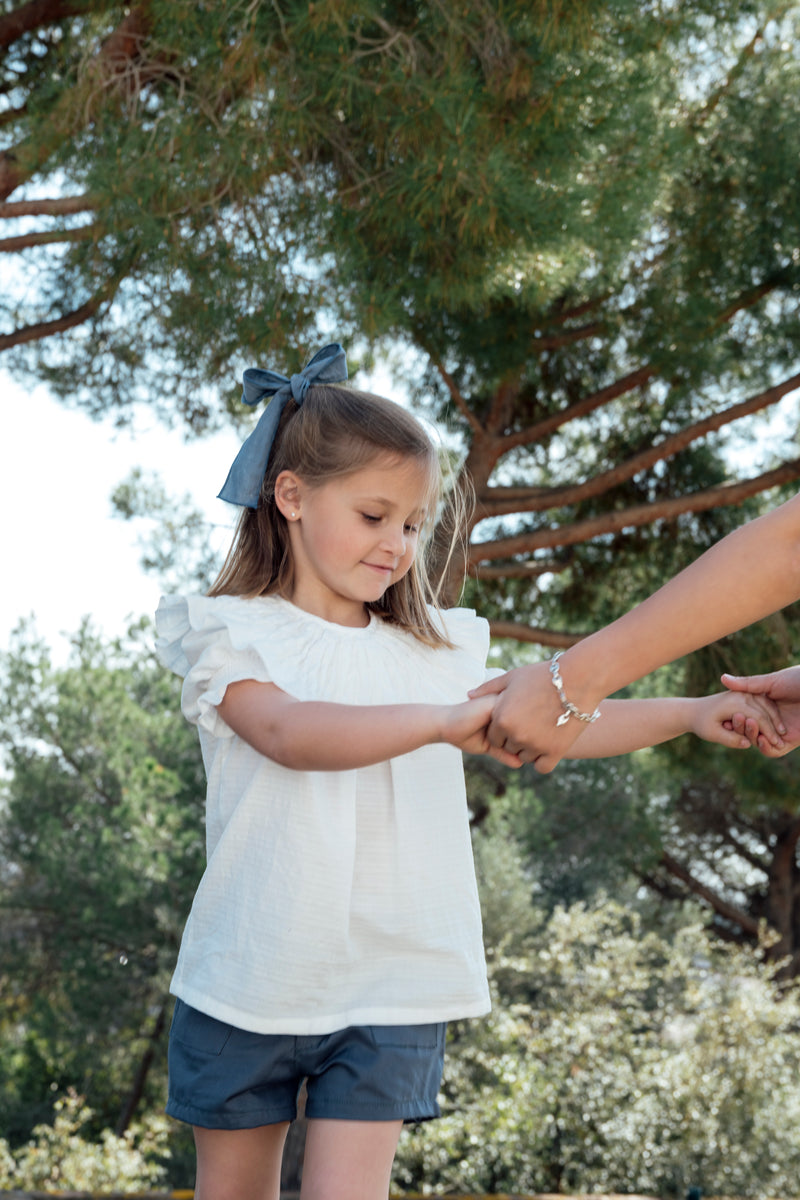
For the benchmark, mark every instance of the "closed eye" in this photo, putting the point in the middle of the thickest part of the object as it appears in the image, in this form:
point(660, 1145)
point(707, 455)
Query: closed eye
point(371, 519)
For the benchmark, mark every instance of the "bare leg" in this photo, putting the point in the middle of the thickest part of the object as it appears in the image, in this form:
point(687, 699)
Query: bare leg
point(349, 1160)
point(239, 1164)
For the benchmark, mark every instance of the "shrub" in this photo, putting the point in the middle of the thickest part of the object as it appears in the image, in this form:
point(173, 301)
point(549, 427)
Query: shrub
point(58, 1156)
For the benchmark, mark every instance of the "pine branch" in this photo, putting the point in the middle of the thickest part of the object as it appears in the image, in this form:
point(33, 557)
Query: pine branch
point(455, 395)
point(74, 111)
point(746, 53)
point(35, 14)
point(529, 633)
point(539, 499)
point(550, 425)
point(641, 514)
point(45, 238)
point(518, 570)
point(55, 207)
point(10, 115)
point(43, 329)
point(723, 908)
point(755, 860)
point(580, 310)
point(749, 299)
point(555, 341)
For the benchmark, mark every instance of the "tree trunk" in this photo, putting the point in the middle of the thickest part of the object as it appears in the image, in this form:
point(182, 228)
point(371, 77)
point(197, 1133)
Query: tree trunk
point(292, 1165)
point(137, 1089)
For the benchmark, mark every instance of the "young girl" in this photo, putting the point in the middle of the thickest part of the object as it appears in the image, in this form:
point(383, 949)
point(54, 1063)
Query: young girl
point(337, 928)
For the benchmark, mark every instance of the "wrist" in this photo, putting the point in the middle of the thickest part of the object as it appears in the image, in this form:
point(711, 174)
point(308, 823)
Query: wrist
point(436, 723)
point(688, 717)
point(572, 677)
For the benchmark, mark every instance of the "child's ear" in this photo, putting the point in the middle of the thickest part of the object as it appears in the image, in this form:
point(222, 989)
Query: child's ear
point(288, 494)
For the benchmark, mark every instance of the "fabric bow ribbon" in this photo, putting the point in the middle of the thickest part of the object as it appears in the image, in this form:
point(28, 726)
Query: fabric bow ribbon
point(243, 485)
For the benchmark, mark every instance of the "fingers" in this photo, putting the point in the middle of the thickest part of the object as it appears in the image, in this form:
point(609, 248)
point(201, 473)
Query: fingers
point(545, 763)
point(492, 687)
point(746, 683)
point(767, 720)
point(733, 734)
point(505, 757)
point(754, 733)
point(481, 705)
point(770, 751)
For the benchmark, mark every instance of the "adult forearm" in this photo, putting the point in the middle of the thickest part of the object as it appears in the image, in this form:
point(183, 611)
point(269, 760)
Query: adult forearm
point(748, 575)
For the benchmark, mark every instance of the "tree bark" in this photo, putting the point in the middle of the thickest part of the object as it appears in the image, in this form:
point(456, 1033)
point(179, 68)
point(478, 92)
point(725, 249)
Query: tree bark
point(641, 514)
point(145, 1063)
point(22, 20)
point(541, 498)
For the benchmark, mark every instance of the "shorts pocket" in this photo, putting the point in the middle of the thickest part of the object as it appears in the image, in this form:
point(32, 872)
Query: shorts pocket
point(198, 1031)
point(421, 1037)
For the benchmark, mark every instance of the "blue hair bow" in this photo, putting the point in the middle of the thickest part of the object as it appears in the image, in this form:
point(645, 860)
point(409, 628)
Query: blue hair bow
point(243, 485)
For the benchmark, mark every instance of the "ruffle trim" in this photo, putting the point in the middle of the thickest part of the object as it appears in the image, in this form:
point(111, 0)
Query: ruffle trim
point(214, 641)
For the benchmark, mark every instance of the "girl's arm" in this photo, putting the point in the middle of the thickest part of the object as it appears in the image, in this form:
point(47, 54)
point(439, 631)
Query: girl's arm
point(627, 725)
point(749, 574)
point(319, 736)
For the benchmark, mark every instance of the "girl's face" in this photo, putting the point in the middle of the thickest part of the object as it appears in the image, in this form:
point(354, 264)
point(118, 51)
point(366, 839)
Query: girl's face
point(354, 536)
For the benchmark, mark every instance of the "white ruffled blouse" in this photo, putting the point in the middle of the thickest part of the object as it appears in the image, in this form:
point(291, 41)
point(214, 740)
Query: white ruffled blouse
point(330, 898)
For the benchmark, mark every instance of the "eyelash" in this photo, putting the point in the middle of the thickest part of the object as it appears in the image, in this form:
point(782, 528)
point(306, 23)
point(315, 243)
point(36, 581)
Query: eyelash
point(371, 520)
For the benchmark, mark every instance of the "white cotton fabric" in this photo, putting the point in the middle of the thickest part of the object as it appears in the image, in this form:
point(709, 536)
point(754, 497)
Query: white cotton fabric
point(330, 898)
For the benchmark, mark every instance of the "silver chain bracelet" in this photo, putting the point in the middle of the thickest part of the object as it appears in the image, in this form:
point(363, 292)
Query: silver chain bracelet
point(570, 710)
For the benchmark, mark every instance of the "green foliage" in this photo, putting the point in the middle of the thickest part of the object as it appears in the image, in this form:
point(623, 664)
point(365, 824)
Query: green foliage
point(618, 1058)
point(566, 219)
point(459, 176)
point(588, 828)
point(101, 846)
point(178, 546)
point(61, 1156)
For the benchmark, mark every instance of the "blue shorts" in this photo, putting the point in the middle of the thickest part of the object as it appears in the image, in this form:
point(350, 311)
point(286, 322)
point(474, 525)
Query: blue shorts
point(222, 1077)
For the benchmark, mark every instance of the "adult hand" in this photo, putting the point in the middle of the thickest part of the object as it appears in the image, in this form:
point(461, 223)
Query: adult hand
point(524, 720)
point(466, 726)
point(783, 687)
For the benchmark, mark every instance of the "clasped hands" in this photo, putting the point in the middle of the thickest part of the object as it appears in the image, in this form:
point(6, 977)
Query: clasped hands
point(523, 721)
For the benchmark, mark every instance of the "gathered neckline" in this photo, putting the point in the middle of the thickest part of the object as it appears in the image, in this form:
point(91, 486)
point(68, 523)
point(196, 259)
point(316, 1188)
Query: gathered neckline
point(346, 630)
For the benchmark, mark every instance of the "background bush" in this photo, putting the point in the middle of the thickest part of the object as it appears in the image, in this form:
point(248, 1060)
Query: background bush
point(618, 1058)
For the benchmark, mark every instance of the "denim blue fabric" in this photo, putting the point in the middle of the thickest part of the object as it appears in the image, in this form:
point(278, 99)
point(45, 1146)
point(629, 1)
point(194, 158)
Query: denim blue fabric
point(221, 1077)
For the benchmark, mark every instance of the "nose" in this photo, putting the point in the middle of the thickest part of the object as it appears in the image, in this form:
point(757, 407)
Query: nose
point(395, 540)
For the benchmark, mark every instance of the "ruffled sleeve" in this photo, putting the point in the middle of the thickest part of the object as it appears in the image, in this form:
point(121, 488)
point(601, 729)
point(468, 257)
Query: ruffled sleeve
point(210, 643)
point(470, 635)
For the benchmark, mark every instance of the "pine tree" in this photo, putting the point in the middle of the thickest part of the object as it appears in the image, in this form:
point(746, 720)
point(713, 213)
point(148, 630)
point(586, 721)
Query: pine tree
point(576, 224)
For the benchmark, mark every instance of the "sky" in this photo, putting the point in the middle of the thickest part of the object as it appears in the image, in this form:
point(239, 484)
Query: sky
point(64, 555)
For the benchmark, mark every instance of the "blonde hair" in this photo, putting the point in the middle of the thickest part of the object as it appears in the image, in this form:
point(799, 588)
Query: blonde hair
point(335, 432)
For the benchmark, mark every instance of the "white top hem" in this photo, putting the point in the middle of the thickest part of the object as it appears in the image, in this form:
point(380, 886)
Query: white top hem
point(331, 1022)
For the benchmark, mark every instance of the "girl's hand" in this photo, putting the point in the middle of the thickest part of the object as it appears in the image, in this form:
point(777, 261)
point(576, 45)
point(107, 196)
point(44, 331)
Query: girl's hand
point(466, 726)
point(790, 739)
point(739, 721)
point(784, 688)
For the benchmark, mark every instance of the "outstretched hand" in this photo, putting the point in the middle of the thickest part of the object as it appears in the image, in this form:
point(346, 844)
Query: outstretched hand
point(781, 687)
point(525, 716)
point(738, 722)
